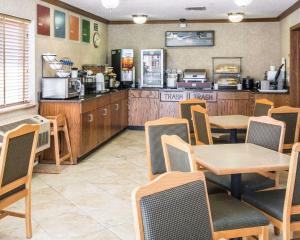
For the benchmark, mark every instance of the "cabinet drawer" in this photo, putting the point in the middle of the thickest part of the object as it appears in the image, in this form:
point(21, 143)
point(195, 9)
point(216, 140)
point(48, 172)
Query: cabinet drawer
point(117, 96)
point(103, 101)
point(143, 94)
point(89, 105)
point(233, 95)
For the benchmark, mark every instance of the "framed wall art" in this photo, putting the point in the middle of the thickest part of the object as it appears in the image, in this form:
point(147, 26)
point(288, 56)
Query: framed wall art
point(190, 39)
point(59, 24)
point(43, 20)
point(74, 28)
point(86, 31)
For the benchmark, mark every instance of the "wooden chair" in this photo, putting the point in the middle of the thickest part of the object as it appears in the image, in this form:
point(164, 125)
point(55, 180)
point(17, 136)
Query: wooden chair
point(59, 126)
point(282, 206)
point(185, 109)
point(266, 132)
point(262, 107)
point(176, 206)
point(201, 126)
point(291, 117)
point(16, 164)
point(179, 156)
point(153, 131)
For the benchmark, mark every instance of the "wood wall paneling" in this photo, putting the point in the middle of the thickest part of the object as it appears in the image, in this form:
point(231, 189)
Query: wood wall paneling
point(295, 66)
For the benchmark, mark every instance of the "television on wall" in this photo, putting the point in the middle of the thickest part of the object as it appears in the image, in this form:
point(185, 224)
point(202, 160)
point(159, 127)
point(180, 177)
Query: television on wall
point(190, 38)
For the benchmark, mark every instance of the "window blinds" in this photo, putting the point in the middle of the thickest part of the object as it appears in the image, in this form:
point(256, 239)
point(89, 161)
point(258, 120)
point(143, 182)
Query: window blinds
point(14, 61)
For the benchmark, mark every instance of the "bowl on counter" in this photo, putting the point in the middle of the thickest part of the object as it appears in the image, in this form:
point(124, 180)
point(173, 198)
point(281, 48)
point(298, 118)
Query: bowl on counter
point(62, 73)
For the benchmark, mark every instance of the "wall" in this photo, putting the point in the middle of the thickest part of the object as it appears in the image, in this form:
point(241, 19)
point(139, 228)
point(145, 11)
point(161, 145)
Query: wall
point(257, 43)
point(285, 25)
point(80, 53)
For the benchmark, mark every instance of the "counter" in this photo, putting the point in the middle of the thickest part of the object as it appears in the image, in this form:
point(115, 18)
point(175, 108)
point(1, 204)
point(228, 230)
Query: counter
point(151, 104)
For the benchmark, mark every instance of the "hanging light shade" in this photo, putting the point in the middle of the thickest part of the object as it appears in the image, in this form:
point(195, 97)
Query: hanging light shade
point(236, 17)
point(139, 19)
point(242, 3)
point(110, 4)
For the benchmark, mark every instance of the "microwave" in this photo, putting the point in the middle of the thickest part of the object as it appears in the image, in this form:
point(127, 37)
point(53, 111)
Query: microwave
point(60, 88)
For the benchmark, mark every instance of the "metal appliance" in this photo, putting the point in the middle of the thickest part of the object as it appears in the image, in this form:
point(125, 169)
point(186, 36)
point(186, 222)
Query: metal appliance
point(194, 78)
point(60, 88)
point(123, 65)
point(44, 132)
point(172, 79)
point(153, 63)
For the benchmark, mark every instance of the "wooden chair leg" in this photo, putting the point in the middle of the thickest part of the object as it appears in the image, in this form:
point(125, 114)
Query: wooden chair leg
point(68, 143)
point(276, 231)
point(56, 147)
point(28, 216)
point(264, 234)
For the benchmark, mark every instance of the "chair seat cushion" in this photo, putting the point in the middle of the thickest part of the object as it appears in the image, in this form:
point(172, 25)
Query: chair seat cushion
point(250, 181)
point(229, 213)
point(214, 188)
point(8, 194)
point(270, 202)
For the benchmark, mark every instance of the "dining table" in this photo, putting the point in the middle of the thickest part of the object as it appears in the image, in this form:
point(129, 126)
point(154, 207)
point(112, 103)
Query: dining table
point(232, 124)
point(236, 159)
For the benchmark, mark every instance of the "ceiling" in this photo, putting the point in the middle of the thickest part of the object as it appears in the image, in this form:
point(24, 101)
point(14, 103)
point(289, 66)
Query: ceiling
point(175, 9)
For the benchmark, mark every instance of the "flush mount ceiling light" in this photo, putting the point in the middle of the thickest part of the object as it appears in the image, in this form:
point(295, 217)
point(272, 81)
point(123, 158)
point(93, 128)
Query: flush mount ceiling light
point(139, 19)
point(242, 3)
point(236, 17)
point(110, 4)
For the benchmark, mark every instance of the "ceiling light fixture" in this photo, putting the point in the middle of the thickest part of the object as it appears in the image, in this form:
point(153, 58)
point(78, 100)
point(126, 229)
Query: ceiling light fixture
point(139, 19)
point(236, 17)
point(242, 3)
point(110, 4)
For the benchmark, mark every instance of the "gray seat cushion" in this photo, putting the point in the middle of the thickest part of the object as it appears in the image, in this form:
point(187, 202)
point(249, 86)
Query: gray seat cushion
point(8, 194)
point(250, 182)
point(229, 213)
point(270, 202)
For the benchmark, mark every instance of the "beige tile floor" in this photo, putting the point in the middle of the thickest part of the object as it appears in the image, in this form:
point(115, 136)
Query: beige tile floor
point(90, 200)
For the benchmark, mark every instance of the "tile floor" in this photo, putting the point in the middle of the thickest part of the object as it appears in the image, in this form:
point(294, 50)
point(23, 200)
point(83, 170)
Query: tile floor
point(90, 200)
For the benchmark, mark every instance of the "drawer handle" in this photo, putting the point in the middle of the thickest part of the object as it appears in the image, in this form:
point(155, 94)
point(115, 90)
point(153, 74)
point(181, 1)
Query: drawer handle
point(117, 107)
point(105, 112)
point(90, 117)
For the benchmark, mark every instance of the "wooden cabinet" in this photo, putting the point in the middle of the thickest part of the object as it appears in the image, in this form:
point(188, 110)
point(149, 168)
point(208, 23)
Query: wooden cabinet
point(91, 122)
point(88, 134)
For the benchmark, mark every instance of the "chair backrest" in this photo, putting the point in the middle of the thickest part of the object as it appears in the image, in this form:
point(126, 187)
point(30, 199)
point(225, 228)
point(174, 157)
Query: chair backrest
point(154, 130)
point(266, 132)
point(173, 206)
point(178, 154)
point(17, 157)
point(185, 109)
point(290, 116)
point(292, 196)
point(201, 125)
point(262, 107)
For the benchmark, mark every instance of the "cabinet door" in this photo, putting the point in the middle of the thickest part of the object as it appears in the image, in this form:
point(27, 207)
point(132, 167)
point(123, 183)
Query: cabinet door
point(124, 114)
point(116, 117)
point(88, 131)
point(234, 107)
point(104, 124)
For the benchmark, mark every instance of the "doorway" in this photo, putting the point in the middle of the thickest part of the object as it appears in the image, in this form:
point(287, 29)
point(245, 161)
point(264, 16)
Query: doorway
point(295, 66)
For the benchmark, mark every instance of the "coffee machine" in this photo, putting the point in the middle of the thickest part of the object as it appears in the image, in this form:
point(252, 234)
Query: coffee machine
point(123, 65)
point(277, 78)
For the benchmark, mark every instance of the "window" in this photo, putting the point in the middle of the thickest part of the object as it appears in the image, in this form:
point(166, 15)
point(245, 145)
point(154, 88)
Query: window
point(14, 61)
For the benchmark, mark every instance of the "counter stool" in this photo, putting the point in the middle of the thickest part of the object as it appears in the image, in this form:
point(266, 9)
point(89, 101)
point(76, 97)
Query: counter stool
point(58, 125)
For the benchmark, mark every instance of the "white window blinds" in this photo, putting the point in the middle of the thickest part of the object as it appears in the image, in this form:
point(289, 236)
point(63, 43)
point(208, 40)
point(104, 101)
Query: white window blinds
point(14, 61)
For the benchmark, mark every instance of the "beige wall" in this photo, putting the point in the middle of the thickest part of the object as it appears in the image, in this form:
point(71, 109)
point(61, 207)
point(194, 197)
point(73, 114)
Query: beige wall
point(285, 25)
point(80, 53)
point(257, 43)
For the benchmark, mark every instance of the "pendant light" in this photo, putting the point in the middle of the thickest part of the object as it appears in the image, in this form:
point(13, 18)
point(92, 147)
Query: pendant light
point(110, 4)
point(139, 19)
point(242, 3)
point(236, 17)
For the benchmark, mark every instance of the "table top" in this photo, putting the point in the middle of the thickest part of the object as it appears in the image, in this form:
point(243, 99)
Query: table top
point(223, 159)
point(229, 121)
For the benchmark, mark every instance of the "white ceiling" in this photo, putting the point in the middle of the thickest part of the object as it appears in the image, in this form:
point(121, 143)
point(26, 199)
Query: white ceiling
point(175, 9)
